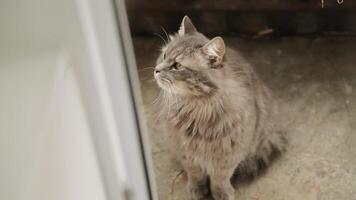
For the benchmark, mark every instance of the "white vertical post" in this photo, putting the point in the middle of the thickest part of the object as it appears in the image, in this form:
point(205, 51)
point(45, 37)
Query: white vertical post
point(109, 96)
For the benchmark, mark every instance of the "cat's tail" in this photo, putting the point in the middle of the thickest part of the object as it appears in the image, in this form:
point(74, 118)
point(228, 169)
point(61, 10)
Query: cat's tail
point(254, 165)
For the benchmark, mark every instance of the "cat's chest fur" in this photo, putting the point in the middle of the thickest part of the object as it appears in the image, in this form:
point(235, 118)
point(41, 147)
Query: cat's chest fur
point(207, 129)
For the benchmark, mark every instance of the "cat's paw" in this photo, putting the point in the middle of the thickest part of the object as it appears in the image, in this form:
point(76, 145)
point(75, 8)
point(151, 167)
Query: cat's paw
point(198, 192)
point(222, 192)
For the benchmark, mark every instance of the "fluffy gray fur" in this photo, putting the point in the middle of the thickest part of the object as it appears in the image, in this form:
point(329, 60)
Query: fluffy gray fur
point(216, 112)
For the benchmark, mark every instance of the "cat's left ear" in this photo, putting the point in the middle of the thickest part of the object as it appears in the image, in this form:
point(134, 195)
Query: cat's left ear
point(186, 27)
point(215, 50)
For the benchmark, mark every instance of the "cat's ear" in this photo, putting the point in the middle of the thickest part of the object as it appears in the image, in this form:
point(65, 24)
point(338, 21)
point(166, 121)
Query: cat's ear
point(215, 49)
point(186, 27)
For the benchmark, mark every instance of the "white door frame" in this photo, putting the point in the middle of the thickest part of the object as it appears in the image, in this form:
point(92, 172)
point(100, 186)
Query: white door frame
point(111, 95)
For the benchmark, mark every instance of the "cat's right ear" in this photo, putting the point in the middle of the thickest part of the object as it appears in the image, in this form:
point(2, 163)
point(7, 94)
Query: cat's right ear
point(186, 27)
point(215, 50)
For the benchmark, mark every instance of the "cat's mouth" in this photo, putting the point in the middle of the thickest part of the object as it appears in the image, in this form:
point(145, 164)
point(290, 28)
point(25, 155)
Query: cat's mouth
point(163, 82)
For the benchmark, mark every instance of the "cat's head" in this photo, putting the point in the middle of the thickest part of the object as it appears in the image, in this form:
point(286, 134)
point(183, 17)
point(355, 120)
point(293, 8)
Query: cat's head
point(188, 62)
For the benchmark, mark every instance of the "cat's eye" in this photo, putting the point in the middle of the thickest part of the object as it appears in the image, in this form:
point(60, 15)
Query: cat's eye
point(175, 66)
point(164, 56)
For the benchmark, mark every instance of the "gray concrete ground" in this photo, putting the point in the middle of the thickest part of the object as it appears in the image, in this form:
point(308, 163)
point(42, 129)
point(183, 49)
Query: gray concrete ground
point(315, 82)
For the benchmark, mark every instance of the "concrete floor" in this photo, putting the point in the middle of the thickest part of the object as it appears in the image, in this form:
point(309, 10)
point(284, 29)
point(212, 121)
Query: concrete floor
point(315, 82)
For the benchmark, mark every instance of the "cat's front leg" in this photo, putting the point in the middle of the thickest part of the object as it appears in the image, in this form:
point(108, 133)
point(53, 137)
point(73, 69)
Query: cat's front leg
point(220, 184)
point(197, 182)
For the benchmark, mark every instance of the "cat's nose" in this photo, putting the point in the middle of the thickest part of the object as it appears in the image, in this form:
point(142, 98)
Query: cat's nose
point(157, 71)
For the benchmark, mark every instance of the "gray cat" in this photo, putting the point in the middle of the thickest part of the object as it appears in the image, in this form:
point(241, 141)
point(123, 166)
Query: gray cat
point(216, 112)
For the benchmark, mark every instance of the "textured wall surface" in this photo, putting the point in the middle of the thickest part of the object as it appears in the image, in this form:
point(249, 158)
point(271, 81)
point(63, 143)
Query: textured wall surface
point(245, 18)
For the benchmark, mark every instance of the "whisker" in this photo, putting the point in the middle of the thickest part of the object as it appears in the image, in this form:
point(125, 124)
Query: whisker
point(157, 99)
point(144, 75)
point(147, 78)
point(169, 106)
point(165, 42)
point(176, 101)
point(147, 68)
point(166, 80)
point(165, 32)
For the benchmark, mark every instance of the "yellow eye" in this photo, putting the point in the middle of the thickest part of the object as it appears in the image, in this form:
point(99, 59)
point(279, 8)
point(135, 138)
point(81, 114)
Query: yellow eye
point(176, 66)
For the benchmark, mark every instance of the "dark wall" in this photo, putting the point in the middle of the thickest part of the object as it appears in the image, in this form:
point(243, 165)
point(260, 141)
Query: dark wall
point(249, 18)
